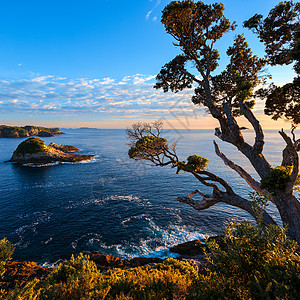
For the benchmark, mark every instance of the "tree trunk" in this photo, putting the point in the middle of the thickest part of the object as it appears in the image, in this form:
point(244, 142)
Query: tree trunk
point(289, 210)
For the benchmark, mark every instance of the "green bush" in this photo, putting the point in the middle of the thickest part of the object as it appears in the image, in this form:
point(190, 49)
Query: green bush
point(259, 264)
point(197, 162)
point(79, 278)
point(6, 252)
point(147, 145)
point(277, 179)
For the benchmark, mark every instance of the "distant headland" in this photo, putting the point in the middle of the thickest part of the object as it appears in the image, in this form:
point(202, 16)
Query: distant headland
point(35, 151)
point(27, 131)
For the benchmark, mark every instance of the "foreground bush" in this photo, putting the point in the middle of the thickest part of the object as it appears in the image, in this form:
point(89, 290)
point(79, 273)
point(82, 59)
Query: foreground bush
point(79, 278)
point(259, 264)
point(6, 252)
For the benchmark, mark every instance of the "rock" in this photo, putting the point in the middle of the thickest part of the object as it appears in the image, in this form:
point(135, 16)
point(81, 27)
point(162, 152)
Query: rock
point(34, 150)
point(190, 248)
point(26, 131)
point(21, 273)
point(104, 260)
point(45, 134)
point(64, 148)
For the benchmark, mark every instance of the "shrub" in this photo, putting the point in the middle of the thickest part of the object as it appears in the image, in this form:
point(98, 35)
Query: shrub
point(259, 264)
point(79, 278)
point(147, 145)
point(6, 252)
point(197, 162)
point(277, 179)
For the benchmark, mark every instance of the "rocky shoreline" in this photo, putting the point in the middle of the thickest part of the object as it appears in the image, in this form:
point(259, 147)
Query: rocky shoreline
point(27, 131)
point(35, 151)
point(193, 252)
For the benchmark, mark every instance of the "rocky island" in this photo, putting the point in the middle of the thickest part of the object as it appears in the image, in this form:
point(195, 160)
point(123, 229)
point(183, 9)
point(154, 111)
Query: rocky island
point(34, 150)
point(26, 131)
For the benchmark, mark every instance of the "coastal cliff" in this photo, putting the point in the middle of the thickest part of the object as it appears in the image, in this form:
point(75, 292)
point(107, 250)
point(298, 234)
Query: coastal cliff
point(34, 150)
point(27, 131)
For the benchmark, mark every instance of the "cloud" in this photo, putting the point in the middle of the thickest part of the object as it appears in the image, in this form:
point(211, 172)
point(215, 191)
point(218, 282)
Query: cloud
point(151, 11)
point(105, 98)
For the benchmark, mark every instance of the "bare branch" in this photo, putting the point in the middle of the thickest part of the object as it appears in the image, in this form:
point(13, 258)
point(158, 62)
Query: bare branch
point(224, 197)
point(259, 135)
point(205, 203)
point(248, 178)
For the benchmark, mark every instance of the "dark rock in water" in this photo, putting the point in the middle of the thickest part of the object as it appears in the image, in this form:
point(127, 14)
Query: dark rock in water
point(64, 148)
point(20, 273)
point(26, 131)
point(190, 248)
point(34, 150)
point(45, 134)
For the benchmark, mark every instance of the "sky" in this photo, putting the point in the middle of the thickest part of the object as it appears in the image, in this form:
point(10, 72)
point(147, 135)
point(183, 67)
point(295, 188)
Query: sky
point(93, 63)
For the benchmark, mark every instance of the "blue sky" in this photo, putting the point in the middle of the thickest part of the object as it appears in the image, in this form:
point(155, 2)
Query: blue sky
point(93, 62)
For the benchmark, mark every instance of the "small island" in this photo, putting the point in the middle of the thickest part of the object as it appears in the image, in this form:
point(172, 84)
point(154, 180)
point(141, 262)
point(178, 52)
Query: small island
point(34, 150)
point(27, 131)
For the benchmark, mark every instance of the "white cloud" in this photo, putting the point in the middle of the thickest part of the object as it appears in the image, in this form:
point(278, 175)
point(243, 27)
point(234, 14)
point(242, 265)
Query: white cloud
point(151, 11)
point(104, 97)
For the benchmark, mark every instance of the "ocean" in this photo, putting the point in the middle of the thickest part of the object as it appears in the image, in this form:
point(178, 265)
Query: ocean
point(113, 204)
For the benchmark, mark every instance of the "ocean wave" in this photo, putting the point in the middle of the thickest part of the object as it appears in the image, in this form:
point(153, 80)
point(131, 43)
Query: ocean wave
point(31, 228)
point(157, 243)
point(88, 161)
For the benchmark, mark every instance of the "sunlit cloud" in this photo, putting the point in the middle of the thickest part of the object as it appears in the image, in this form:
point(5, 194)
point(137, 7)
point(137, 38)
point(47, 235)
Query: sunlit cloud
point(103, 97)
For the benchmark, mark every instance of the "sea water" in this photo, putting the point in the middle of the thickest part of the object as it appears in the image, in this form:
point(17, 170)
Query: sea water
point(113, 204)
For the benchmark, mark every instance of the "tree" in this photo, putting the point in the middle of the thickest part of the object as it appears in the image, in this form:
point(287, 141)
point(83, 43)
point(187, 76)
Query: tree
point(196, 27)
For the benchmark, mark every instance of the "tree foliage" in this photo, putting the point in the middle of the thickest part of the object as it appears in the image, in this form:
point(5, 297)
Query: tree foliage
point(196, 27)
point(280, 33)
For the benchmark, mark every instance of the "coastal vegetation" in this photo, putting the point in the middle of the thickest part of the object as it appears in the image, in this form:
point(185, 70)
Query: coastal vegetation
point(258, 263)
point(34, 150)
point(251, 261)
point(197, 29)
point(30, 146)
point(26, 131)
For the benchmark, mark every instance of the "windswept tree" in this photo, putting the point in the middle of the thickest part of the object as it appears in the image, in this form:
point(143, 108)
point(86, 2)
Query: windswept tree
point(196, 27)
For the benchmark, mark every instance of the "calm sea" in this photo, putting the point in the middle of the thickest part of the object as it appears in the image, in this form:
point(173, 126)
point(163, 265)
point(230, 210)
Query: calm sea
point(112, 204)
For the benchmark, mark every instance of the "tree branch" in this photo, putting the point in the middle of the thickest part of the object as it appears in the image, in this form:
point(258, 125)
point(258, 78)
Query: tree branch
point(246, 176)
point(231, 199)
point(259, 135)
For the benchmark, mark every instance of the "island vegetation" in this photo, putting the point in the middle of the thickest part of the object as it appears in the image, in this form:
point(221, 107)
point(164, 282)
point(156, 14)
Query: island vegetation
point(26, 131)
point(34, 150)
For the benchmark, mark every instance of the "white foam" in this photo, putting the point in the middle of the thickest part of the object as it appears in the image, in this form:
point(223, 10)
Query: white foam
point(157, 243)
